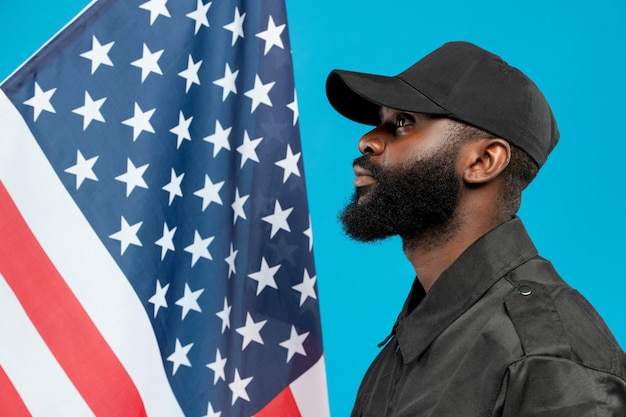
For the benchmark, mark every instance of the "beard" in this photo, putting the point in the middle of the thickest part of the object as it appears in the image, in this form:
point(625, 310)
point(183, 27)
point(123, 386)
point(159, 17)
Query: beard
point(416, 202)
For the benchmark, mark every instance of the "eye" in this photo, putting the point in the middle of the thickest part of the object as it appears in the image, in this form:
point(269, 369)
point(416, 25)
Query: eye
point(403, 120)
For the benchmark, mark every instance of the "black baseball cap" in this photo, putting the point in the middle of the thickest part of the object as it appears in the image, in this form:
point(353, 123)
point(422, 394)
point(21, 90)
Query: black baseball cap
point(459, 80)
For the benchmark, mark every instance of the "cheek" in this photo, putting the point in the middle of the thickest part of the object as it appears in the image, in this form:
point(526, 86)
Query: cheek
point(400, 154)
point(407, 155)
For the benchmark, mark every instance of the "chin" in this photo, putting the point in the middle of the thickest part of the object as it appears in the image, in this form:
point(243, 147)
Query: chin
point(362, 194)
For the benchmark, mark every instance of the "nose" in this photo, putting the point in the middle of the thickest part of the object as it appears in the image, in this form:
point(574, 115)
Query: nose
point(372, 143)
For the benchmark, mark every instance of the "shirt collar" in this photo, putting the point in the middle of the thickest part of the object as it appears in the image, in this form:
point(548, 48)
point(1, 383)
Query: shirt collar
point(464, 282)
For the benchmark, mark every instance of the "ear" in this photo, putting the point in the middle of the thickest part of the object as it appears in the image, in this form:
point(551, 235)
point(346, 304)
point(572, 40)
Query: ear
point(486, 159)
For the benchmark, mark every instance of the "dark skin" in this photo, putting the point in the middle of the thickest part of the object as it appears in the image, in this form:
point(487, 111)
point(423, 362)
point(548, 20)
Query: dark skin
point(402, 136)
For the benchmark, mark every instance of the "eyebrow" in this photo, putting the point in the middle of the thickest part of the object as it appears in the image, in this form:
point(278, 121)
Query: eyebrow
point(415, 115)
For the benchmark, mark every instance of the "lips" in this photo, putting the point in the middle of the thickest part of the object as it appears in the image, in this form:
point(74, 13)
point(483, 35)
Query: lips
point(364, 177)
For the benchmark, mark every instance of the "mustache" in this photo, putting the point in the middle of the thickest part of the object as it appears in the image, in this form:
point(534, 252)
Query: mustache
point(366, 163)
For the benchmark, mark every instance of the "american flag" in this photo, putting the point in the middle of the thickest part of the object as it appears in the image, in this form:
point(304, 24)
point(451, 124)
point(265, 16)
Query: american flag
point(156, 253)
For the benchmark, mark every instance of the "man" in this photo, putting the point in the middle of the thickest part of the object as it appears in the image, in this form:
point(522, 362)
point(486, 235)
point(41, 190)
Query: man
point(489, 328)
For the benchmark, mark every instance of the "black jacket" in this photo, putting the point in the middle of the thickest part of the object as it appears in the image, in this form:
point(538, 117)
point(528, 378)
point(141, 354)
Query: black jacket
point(498, 334)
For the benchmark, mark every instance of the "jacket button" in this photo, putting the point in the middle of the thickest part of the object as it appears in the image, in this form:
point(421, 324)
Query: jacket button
point(525, 290)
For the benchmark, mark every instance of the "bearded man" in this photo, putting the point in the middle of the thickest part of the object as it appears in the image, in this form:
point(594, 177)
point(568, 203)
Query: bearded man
point(489, 327)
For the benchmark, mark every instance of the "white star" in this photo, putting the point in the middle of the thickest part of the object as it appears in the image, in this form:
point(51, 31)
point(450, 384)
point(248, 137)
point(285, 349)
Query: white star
point(238, 387)
point(289, 164)
point(133, 177)
point(90, 110)
point(218, 367)
point(293, 106)
point(173, 187)
point(40, 101)
point(211, 413)
point(157, 8)
point(224, 315)
point(149, 62)
point(179, 357)
point(140, 122)
point(251, 332)
point(199, 15)
point(306, 288)
point(295, 343)
point(248, 148)
point(189, 301)
point(182, 129)
point(230, 260)
point(260, 93)
point(236, 26)
point(190, 74)
point(83, 169)
point(227, 82)
point(127, 235)
point(238, 206)
point(99, 54)
point(219, 139)
point(278, 219)
point(265, 276)
point(309, 233)
point(271, 35)
point(210, 192)
point(199, 248)
point(166, 241)
point(158, 299)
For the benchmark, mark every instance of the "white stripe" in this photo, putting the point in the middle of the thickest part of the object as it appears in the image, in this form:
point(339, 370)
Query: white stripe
point(310, 393)
point(31, 367)
point(82, 260)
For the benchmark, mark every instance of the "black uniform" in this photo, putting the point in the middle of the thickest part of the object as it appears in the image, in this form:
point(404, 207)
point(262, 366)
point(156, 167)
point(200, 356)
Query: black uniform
point(498, 334)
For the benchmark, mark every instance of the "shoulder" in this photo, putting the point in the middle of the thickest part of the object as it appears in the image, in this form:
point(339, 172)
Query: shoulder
point(553, 319)
point(571, 363)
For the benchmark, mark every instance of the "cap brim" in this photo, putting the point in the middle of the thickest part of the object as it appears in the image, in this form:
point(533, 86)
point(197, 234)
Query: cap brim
point(359, 96)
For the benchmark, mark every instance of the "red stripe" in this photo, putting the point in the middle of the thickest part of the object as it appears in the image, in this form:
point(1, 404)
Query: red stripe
point(11, 403)
point(63, 324)
point(283, 405)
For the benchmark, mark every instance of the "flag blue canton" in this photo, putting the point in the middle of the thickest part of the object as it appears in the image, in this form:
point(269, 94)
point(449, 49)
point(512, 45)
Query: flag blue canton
point(174, 126)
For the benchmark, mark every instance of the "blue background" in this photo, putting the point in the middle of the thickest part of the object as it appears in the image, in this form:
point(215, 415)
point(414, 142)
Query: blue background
point(575, 52)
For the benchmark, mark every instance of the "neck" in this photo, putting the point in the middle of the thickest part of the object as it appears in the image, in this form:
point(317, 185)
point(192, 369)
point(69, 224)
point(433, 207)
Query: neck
point(433, 252)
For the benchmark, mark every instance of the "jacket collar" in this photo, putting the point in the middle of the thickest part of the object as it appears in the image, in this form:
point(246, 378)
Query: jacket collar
point(468, 278)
